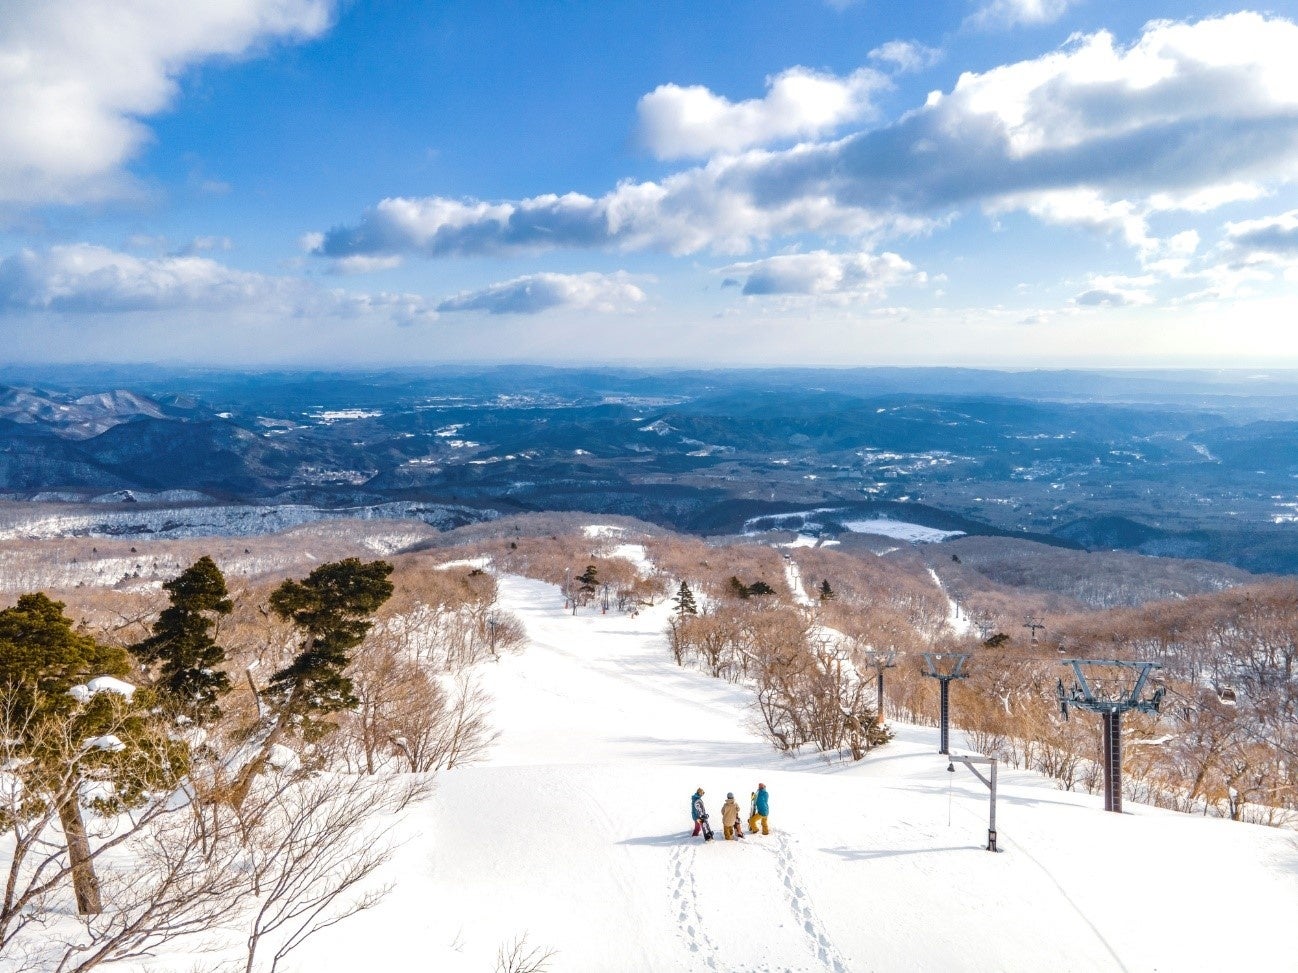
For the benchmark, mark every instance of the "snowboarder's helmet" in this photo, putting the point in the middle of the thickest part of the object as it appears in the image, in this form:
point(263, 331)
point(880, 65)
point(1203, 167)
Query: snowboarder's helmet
point(761, 787)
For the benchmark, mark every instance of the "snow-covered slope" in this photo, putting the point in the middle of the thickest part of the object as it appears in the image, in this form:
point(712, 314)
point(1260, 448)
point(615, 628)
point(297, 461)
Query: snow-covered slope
point(575, 835)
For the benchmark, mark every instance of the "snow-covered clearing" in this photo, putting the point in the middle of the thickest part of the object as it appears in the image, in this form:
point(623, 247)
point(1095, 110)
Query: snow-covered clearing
point(575, 834)
point(900, 530)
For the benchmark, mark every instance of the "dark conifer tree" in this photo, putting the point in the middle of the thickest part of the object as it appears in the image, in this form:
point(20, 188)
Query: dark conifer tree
point(189, 679)
point(332, 608)
point(59, 734)
point(826, 592)
point(684, 601)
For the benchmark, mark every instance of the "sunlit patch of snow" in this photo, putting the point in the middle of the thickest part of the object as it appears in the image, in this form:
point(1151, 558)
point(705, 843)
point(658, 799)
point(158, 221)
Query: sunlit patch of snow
point(901, 530)
point(603, 530)
point(635, 553)
point(476, 563)
point(342, 415)
point(802, 540)
point(101, 684)
point(109, 742)
point(282, 758)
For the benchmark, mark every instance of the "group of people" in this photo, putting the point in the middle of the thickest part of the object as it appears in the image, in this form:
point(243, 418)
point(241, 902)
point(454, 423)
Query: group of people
point(758, 809)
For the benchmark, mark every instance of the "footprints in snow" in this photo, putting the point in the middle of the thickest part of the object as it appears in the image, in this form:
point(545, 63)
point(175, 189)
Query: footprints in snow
point(689, 920)
point(685, 905)
point(799, 903)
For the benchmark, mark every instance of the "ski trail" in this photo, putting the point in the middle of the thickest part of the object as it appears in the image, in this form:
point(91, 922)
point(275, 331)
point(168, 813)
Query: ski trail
point(685, 907)
point(793, 576)
point(956, 620)
point(799, 902)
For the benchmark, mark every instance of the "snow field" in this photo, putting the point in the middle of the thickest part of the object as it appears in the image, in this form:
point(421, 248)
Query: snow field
point(576, 834)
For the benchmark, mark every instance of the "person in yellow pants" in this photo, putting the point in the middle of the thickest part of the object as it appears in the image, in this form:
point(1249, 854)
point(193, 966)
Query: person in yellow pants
point(759, 809)
point(730, 818)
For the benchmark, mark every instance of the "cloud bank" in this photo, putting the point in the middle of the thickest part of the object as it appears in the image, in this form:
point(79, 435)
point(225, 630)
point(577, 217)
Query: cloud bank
point(1187, 117)
point(534, 293)
point(76, 77)
point(691, 122)
point(83, 279)
point(861, 275)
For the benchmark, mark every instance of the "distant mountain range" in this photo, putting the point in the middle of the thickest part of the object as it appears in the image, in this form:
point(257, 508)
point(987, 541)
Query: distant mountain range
point(1185, 464)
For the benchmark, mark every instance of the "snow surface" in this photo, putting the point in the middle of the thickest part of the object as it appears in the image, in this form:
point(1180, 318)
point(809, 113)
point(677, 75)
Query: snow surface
point(956, 620)
point(575, 834)
point(900, 530)
point(101, 684)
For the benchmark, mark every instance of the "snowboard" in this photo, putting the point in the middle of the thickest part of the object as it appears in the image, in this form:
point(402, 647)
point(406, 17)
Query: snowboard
point(707, 829)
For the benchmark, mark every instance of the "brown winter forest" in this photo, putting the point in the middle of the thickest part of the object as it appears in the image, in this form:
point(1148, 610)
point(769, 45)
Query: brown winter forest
point(1224, 743)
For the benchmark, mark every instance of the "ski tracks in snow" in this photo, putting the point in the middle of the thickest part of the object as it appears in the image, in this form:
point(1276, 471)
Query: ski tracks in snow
point(799, 903)
point(685, 905)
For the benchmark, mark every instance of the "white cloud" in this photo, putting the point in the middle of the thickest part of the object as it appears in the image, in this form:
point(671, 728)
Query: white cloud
point(86, 279)
point(1113, 290)
point(1269, 235)
point(1093, 134)
point(906, 56)
point(861, 275)
point(76, 77)
point(679, 122)
point(533, 293)
point(1011, 13)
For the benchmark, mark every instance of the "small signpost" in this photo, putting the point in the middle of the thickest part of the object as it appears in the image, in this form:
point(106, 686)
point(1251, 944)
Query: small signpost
point(990, 781)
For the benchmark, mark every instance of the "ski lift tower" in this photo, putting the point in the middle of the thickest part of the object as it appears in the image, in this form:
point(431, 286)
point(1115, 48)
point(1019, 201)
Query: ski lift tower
point(1110, 698)
point(879, 660)
point(1033, 624)
point(945, 667)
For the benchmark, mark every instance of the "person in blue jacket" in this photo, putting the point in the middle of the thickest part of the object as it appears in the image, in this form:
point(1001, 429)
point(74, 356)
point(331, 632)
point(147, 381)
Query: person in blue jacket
point(760, 808)
point(700, 815)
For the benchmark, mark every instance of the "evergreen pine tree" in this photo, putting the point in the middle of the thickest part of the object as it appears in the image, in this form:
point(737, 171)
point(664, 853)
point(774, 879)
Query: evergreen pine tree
point(826, 592)
point(52, 722)
point(760, 587)
point(187, 658)
point(739, 589)
point(684, 601)
point(589, 579)
point(332, 608)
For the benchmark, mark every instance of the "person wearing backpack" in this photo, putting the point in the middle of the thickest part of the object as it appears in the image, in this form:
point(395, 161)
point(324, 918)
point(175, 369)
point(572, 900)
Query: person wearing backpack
point(730, 818)
point(759, 808)
point(700, 816)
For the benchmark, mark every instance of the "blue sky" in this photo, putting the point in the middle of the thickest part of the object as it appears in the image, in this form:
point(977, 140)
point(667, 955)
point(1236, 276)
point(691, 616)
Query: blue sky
point(973, 182)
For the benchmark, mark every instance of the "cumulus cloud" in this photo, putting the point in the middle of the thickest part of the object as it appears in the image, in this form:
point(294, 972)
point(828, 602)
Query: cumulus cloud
point(681, 122)
point(906, 56)
point(1116, 291)
point(535, 293)
point(1095, 134)
point(76, 77)
point(824, 273)
point(87, 279)
point(1270, 235)
point(1012, 13)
